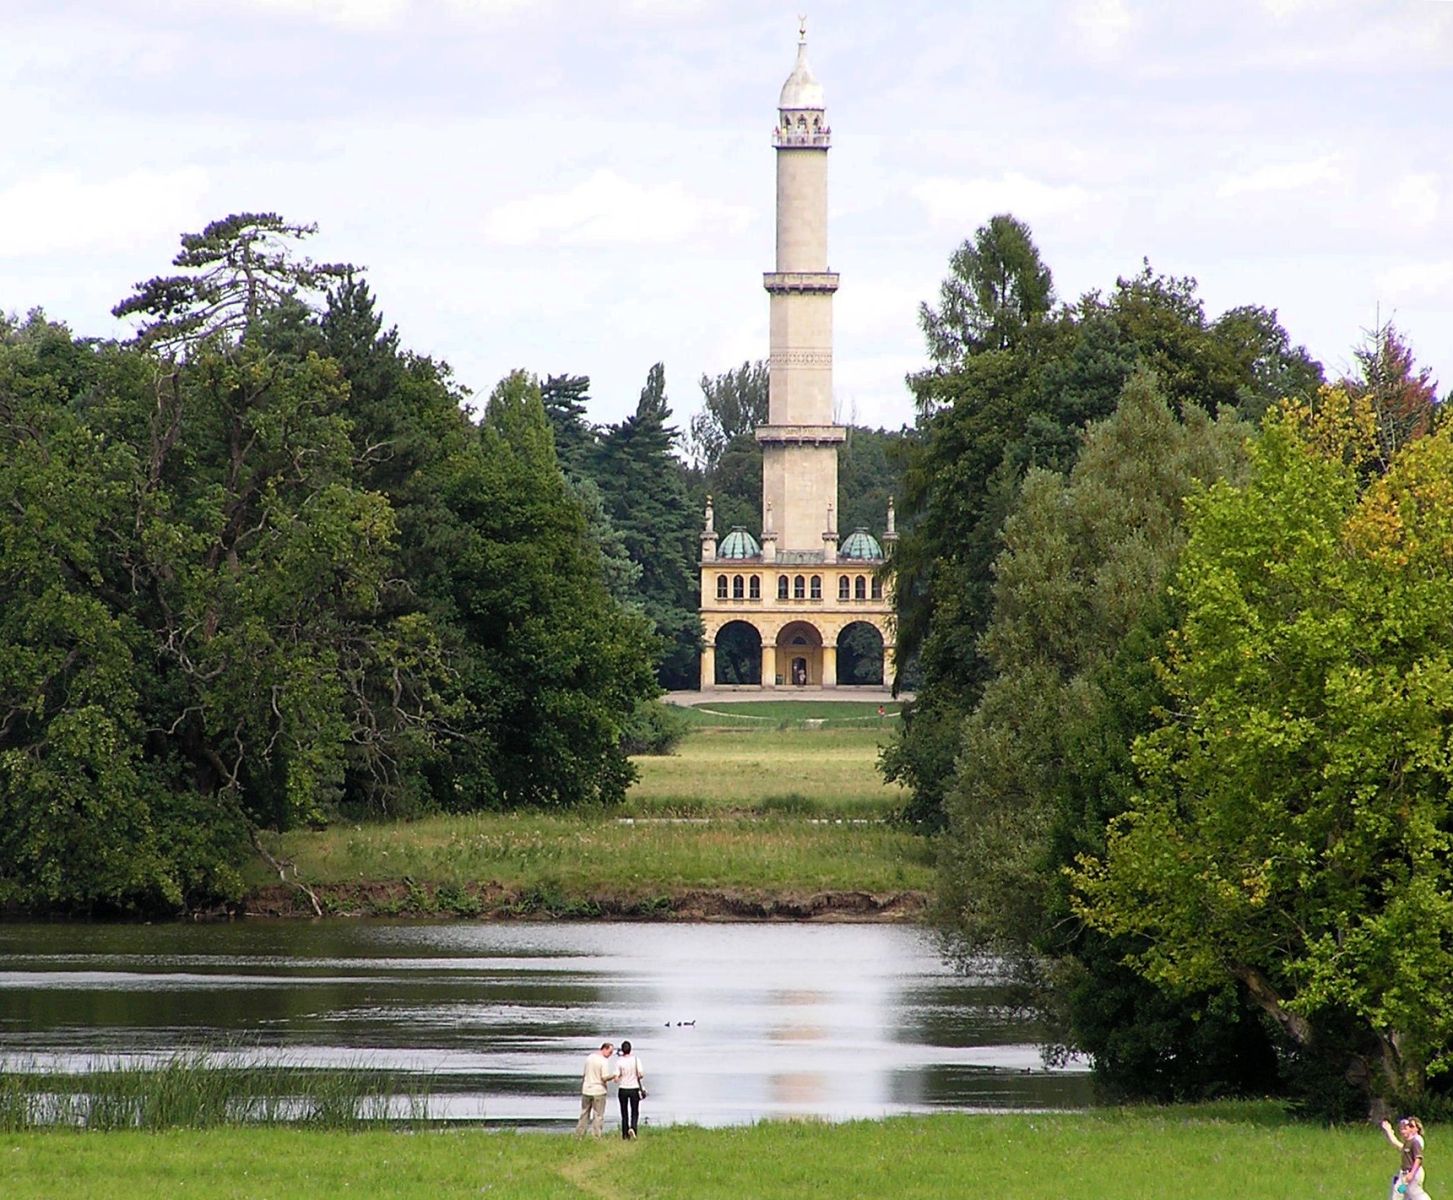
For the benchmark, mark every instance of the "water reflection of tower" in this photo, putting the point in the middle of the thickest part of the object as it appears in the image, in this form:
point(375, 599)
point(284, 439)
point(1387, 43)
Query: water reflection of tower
point(796, 1087)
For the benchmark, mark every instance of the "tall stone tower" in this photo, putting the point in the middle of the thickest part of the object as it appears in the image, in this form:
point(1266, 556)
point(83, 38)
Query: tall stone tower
point(800, 441)
point(786, 602)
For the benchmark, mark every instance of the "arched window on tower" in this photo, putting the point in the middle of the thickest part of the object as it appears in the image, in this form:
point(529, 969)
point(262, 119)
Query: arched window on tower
point(817, 587)
point(754, 587)
point(877, 588)
point(721, 587)
point(860, 588)
point(781, 587)
point(799, 588)
point(844, 588)
point(738, 588)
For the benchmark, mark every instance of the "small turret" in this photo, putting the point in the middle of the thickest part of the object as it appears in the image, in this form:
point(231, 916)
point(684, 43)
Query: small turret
point(769, 534)
point(891, 535)
point(829, 537)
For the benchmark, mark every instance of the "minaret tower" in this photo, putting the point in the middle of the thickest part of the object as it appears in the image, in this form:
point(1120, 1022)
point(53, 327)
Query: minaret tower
point(776, 613)
point(800, 440)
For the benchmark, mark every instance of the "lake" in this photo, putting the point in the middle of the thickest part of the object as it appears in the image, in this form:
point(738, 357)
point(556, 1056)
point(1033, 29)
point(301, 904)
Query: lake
point(732, 1022)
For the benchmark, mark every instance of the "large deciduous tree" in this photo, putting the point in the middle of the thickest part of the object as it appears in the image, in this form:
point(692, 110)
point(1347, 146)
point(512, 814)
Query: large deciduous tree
point(565, 665)
point(989, 412)
point(1078, 593)
point(1291, 830)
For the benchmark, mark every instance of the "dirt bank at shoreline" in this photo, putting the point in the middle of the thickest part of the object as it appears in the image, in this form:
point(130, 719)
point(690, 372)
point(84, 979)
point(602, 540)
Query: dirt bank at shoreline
point(403, 898)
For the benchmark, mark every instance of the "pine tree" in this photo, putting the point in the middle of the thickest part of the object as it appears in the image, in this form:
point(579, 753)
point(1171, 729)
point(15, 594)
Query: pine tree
point(643, 486)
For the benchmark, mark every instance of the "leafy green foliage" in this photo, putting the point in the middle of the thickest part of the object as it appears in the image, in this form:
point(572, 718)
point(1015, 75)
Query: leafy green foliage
point(273, 573)
point(1291, 830)
point(733, 405)
point(1011, 403)
point(567, 664)
point(995, 288)
point(655, 728)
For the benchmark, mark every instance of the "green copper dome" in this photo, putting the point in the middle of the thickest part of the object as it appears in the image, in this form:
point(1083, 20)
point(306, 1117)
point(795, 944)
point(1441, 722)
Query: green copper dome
point(860, 544)
point(739, 544)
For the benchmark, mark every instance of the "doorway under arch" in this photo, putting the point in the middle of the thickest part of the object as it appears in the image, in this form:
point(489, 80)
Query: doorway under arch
point(738, 653)
point(799, 655)
point(860, 655)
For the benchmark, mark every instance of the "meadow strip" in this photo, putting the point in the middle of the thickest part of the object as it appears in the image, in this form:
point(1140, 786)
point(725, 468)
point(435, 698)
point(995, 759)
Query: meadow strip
point(600, 853)
point(810, 771)
point(1113, 1155)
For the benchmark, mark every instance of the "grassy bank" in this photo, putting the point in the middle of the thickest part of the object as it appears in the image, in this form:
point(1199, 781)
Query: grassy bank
point(1244, 1152)
point(563, 864)
point(785, 818)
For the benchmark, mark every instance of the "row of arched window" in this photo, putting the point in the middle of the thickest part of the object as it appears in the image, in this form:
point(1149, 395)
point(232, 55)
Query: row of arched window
point(799, 587)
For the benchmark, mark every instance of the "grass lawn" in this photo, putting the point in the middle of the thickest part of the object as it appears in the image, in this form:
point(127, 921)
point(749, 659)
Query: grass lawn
point(766, 714)
point(1221, 1153)
point(831, 771)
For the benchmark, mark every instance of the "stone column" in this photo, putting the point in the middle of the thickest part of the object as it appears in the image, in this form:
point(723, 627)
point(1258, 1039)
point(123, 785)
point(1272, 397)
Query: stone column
point(769, 664)
point(888, 649)
point(708, 666)
point(829, 666)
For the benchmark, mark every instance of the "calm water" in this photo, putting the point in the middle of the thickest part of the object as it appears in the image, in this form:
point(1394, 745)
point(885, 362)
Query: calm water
point(732, 1022)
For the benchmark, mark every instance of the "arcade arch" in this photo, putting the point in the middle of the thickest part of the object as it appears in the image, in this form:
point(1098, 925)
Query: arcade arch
point(738, 653)
point(860, 655)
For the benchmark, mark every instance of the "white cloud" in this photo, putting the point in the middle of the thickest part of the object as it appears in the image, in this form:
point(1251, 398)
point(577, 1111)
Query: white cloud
point(373, 15)
point(606, 209)
point(1101, 26)
point(350, 14)
point(1418, 283)
point(1414, 198)
point(1284, 177)
point(973, 201)
point(60, 211)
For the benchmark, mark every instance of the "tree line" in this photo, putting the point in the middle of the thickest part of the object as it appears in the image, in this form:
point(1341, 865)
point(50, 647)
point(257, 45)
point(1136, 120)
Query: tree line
point(261, 566)
point(1180, 609)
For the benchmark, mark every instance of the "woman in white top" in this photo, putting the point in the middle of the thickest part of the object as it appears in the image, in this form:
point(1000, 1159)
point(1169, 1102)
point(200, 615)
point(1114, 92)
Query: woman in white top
point(1407, 1184)
point(632, 1081)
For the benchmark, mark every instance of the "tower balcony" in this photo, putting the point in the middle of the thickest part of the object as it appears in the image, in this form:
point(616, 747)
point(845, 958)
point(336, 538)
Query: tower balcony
point(780, 282)
point(801, 435)
point(820, 139)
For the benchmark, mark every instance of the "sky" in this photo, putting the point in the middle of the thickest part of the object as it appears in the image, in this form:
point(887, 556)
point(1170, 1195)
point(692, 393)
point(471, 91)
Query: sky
point(587, 187)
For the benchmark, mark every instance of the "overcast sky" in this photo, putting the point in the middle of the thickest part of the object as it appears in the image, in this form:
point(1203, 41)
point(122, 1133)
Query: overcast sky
point(588, 187)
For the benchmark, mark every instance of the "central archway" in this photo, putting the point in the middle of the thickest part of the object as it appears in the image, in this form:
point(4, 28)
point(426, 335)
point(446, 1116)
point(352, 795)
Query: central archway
point(738, 654)
point(799, 655)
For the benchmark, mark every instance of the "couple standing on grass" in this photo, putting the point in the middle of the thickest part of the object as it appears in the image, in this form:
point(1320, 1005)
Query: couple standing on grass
point(599, 1072)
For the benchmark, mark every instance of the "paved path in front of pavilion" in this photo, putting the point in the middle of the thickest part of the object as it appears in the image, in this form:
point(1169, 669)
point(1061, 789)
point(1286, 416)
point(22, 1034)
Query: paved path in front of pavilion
point(747, 693)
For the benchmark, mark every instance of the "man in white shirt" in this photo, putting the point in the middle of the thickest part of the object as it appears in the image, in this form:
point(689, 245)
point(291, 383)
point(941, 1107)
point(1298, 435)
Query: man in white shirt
point(598, 1073)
